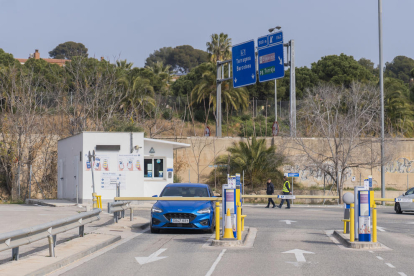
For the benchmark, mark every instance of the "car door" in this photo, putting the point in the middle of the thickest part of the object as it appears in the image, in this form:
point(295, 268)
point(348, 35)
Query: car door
point(405, 206)
point(411, 196)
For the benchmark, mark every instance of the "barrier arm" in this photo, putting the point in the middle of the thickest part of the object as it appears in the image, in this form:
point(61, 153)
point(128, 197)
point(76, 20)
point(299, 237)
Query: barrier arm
point(168, 198)
point(296, 196)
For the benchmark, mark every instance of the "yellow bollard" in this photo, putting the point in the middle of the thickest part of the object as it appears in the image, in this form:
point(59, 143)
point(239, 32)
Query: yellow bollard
point(345, 221)
point(94, 200)
point(217, 221)
point(239, 223)
point(351, 224)
point(374, 223)
point(99, 201)
point(243, 217)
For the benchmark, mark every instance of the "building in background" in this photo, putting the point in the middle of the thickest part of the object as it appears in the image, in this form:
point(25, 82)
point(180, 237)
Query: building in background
point(36, 55)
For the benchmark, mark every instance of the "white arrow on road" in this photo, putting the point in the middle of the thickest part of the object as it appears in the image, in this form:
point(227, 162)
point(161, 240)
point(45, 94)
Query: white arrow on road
point(288, 221)
point(152, 258)
point(299, 254)
point(280, 60)
point(381, 228)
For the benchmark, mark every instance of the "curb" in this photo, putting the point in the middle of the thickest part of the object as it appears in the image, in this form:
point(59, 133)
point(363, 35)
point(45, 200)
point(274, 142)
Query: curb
point(232, 242)
point(343, 238)
point(55, 266)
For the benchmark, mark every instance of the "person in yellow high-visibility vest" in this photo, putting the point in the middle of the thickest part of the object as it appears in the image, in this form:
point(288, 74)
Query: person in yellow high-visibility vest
point(286, 191)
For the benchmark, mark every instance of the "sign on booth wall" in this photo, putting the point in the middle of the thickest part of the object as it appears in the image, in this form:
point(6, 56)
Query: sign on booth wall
point(109, 180)
point(123, 162)
point(102, 163)
point(129, 162)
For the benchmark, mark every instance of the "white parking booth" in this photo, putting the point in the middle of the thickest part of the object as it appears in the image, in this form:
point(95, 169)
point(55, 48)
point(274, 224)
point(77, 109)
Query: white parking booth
point(139, 166)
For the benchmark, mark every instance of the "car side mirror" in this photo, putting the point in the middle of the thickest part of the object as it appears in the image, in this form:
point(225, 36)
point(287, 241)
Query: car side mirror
point(154, 196)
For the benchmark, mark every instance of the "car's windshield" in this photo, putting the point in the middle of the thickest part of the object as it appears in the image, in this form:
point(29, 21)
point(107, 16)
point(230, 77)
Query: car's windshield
point(185, 191)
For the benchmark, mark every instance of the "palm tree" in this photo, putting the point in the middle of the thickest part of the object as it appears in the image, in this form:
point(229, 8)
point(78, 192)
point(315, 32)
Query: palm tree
point(205, 91)
point(236, 98)
point(219, 47)
point(254, 158)
point(123, 64)
point(140, 96)
point(163, 72)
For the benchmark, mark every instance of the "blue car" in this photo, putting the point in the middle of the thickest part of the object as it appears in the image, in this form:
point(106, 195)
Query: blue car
point(195, 215)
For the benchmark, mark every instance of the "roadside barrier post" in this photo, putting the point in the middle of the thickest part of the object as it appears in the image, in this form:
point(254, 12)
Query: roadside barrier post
point(217, 214)
point(239, 232)
point(374, 223)
point(351, 227)
point(51, 246)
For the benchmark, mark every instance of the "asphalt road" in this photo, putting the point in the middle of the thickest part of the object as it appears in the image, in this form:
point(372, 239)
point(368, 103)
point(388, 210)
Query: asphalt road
point(183, 253)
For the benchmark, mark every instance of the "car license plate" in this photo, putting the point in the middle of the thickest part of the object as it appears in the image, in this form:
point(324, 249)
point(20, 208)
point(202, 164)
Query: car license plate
point(180, 220)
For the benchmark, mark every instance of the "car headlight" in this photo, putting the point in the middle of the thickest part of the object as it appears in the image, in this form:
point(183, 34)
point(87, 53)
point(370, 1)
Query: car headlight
point(204, 211)
point(156, 210)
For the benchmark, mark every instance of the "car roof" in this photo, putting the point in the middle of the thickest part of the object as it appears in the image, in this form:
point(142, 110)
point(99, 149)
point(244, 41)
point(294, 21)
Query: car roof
point(187, 185)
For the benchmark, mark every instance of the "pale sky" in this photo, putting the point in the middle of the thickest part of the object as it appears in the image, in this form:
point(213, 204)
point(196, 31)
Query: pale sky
point(133, 29)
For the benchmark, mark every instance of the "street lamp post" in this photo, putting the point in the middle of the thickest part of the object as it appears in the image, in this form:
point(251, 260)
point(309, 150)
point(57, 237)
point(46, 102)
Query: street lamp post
point(382, 98)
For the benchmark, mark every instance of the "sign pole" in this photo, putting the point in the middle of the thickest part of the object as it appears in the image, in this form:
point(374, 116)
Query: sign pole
point(218, 105)
point(292, 89)
point(275, 101)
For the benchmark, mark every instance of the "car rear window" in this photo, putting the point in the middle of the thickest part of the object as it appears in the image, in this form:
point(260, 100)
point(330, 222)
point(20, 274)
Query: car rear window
point(185, 191)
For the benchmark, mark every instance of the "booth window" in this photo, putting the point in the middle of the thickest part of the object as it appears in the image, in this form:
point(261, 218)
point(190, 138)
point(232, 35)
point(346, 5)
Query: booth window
point(153, 168)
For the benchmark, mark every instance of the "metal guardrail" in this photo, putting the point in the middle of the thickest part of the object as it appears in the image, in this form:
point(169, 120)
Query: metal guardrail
point(118, 209)
point(14, 239)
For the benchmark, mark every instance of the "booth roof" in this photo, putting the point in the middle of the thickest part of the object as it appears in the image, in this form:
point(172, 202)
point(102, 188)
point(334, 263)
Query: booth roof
point(175, 145)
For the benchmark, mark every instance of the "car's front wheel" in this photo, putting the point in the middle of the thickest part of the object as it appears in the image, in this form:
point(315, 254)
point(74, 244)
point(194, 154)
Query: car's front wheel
point(213, 226)
point(398, 208)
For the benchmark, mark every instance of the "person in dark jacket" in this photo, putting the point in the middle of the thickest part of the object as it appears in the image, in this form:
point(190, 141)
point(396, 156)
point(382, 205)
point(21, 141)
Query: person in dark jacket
point(269, 191)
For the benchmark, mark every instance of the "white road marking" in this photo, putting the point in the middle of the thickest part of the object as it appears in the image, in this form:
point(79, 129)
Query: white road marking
point(390, 265)
point(371, 251)
point(208, 242)
point(216, 263)
point(152, 258)
point(402, 273)
point(92, 256)
point(299, 254)
point(287, 221)
point(380, 258)
point(381, 228)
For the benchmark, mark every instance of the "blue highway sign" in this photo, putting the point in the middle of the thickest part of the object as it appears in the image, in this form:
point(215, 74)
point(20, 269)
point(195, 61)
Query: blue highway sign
point(262, 41)
point(275, 38)
point(244, 64)
point(270, 56)
point(293, 174)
